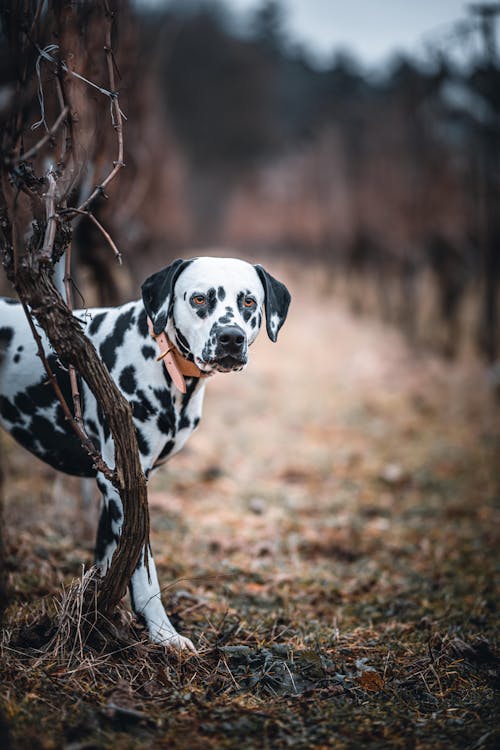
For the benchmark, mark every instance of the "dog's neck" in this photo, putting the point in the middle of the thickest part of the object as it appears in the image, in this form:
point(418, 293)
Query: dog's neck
point(177, 366)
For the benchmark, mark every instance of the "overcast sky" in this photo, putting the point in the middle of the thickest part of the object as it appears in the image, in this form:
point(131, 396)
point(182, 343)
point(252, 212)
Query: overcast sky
point(372, 29)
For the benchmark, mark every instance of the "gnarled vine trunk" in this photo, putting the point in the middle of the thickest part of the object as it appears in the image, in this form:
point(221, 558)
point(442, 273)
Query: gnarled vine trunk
point(35, 222)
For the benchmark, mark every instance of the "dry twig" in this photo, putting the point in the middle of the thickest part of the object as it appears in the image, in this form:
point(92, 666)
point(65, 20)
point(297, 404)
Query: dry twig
point(116, 116)
point(105, 234)
point(50, 209)
point(34, 150)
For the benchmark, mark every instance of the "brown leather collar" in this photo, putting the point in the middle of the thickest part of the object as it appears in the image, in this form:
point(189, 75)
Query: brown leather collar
point(177, 366)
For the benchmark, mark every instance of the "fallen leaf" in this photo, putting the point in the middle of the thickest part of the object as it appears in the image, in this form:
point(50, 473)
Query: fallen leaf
point(371, 681)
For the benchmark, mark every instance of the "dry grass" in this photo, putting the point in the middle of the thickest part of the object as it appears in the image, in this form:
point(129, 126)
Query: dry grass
point(329, 539)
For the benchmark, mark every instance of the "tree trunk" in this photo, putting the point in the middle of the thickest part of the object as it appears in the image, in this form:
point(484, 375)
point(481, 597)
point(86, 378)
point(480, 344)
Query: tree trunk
point(35, 226)
point(35, 288)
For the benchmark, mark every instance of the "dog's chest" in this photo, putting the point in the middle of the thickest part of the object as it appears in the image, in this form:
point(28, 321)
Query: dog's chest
point(176, 420)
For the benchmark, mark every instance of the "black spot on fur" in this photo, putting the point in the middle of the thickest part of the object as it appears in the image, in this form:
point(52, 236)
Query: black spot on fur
point(196, 422)
point(58, 448)
point(253, 322)
point(221, 294)
point(186, 398)
point(115, 339)
point(10, 301)
point(142, 323)
point(24, 403)
point(102, 486)
point(9, 411)
point(24, 437)
point(184, 422)
point(139, 411)
point(103, 422)
point(114, 511)
point(41, 395)
point(142, 408)
point(148, 352)
point(92, 427)
point(96, 323)
point(127, 379)
point(61, 418)
point(210, 304)
point(211, 300)
point(6, 335)
point(142, 443)
point(17, 358)
point(246, 312)
point(45, 432)
point(166, 422)
point(164, 398)
point(105, 535)
point(167, 448)
point(225, 319)
point(161, 321)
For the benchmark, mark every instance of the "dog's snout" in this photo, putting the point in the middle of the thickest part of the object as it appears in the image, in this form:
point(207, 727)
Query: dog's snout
point(231, 339)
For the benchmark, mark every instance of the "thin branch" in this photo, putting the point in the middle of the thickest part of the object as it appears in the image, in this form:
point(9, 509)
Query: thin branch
point(50, 210)
point(72, 372)
point(98, 460)
point(105, 234)
point(116, 115)
point(11, 204)
point(36, 17)
point(52, 131)
point(62, 99)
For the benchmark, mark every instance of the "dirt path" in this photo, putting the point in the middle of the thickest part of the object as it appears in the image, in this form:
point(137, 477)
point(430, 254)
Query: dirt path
point(332, 534)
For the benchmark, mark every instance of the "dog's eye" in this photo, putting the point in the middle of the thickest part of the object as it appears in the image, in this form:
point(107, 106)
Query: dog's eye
point(198, 299)
point(249, 302)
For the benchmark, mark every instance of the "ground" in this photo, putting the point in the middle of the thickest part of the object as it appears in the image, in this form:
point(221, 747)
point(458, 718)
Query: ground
point(329, 540)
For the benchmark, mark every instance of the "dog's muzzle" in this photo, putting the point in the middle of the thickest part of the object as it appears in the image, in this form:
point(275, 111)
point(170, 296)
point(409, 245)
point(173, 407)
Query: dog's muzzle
point(230, 349)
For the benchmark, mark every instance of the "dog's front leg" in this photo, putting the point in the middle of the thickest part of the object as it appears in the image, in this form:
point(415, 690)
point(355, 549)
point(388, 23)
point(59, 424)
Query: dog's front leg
point(144, 589)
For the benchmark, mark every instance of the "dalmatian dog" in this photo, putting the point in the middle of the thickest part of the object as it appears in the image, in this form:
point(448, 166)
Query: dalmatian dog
point(200, 316)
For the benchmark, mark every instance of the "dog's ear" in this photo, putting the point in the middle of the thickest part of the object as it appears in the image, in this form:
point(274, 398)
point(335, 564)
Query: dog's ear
point(276, 301)
point(158, 293)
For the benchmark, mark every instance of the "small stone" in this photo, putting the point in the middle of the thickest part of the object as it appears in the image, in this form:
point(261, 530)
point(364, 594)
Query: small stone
point(393, 474)
point(258, 505)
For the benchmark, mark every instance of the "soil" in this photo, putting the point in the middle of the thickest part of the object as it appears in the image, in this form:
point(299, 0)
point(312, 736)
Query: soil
point(328, 539)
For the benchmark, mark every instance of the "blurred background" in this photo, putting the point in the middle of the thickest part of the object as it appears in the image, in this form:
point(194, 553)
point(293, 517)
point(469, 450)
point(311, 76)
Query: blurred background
point(361, 138)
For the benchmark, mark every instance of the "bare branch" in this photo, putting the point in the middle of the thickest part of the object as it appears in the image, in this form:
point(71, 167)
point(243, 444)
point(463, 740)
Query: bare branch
point(36, 148)
point(116, 116)
point(105, 234)
point(72, 372)
point(50, 210)
point(36, 17)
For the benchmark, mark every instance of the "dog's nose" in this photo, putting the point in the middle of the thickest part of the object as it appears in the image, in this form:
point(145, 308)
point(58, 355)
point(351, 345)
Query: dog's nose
point(231, 340)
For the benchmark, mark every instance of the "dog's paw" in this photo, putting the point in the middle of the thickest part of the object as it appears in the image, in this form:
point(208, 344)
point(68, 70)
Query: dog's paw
point(181, 643)
point(171, 640)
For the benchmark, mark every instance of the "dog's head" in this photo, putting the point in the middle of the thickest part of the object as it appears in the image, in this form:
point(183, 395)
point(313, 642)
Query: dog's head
point(212, 309)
